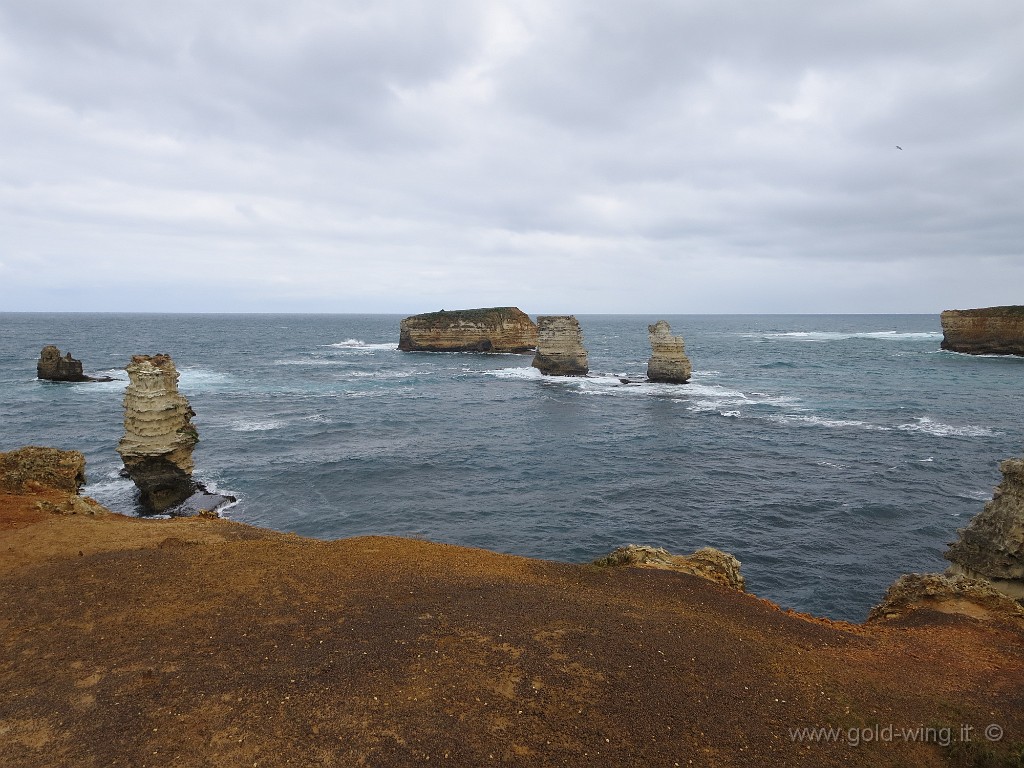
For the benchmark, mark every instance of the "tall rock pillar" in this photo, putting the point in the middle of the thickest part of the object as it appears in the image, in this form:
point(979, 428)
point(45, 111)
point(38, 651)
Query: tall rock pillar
point(560, 350)
point(668, 362)
point(158, 433)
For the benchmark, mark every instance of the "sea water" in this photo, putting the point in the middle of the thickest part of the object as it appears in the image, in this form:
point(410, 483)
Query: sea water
point(829, 453)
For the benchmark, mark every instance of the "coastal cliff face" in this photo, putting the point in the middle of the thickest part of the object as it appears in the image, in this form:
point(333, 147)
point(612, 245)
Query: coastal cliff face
point(53, 367)
point(668, 363)
point(560, 350)
point(158, 433)
point(991, 547)
point(498, 329)
point(707, 563)
point(989, 331)
point(31, 468)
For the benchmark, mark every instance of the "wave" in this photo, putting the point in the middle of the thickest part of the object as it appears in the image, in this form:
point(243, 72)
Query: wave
point(822, 421)
point(822, 336)
point(527, 372)
point(361, 346)
point(938, 429)
point(255, 426)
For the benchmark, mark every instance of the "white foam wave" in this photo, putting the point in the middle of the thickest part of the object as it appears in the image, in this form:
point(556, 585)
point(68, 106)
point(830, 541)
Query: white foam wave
point(526, 372)
point(938, 429)
point(201, 378)
point(821, 421)
point(361, 346)
point(255, 426)
point(820, 336)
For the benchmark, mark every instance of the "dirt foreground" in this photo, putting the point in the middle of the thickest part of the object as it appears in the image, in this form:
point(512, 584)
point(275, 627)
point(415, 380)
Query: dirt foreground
point(202, 642)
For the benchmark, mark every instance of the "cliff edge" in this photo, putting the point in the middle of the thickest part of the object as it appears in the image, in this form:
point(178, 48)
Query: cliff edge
point(496, 329)
point(988, 331)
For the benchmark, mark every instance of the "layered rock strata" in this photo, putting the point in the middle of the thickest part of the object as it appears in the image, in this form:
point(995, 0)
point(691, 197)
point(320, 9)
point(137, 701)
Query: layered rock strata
point(668, 362)
point(707, 563)
point(991, 547)
point(560, 350)
point(158, 433)
point(497, 329)
point(988, 331)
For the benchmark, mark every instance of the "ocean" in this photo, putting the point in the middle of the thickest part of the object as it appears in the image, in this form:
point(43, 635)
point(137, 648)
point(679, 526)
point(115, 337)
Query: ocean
point(829, 453)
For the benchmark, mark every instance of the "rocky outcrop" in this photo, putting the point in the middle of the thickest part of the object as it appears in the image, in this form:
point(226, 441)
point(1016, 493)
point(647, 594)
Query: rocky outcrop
point(498, 329)
point(989, 331)
point(991, 547)
point(158, 433)
point(946, 594)
point(53, 367)
point(668, 363)
point(707, 563)
point(29, 469)
point(560, 350)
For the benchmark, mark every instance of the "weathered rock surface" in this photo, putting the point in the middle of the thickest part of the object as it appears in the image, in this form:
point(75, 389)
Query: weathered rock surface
point(52, 367)
point(158, 433)
point(668, 363)
point(946, 594)
point(707, 563)
point(560, 350)
point(30, 468)
point(988, 331)
point(497, 329)
point(991, 547)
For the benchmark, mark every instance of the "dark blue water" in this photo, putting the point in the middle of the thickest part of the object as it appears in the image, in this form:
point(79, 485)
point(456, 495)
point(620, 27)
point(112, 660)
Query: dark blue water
point(829, 453)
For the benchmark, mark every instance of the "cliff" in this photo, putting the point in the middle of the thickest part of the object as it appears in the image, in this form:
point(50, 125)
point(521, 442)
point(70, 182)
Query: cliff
point(560, 350)
point(668, 362)
point(498, 329)
point(158, 433)
point(132, 641)
point(989, 331)
point(991, 547)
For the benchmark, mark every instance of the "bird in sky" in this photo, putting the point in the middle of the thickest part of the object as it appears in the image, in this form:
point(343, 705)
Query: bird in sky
point(899, 147)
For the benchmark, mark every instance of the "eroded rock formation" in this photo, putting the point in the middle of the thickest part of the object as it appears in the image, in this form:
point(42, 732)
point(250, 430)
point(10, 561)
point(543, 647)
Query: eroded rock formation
point(946, 594)
point(158, 433)
point(53, 367)
point(991, 547)
point(53, 475)
point(708, 563)
point(560, 350)
point(988, 331)
point(668, 363)
point(498, 329)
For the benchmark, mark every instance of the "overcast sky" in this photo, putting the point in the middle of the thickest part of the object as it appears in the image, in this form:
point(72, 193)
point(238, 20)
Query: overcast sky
point(655, 156)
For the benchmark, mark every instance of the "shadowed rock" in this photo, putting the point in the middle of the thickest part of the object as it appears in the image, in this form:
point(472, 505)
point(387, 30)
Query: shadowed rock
point(52, 367)
point(560, 350)
point(668, 363)
point(991, 547)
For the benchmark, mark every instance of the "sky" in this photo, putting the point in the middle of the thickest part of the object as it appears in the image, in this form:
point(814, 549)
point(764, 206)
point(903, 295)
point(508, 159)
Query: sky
point(578, 156)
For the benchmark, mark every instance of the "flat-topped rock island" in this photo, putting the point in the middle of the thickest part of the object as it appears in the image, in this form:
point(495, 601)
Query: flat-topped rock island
point(986, 331)
point(493, 329)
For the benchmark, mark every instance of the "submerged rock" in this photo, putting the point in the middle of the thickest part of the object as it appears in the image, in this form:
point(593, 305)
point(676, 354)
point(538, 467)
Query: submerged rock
point(497, 329)
point(668, 363)
point(987, 331)
point(991, 547)
point(946, 594)
point(158, 433)
point(707, 563)
point(560, 350)
point(52, 367)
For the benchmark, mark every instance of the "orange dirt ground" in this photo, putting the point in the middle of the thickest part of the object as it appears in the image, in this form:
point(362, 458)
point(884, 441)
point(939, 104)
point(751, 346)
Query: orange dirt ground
point(196, 642)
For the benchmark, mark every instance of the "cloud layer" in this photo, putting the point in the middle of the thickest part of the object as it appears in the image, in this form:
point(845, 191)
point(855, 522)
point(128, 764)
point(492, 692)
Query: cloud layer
point(582, 156)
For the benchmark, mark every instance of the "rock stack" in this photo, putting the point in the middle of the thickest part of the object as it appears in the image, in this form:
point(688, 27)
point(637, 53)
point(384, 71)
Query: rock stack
point(988, 331)
point(497, 329)
point(53, 367)
point(158, 433)
point(991, 547)
point(560, 350)
point(668, 363)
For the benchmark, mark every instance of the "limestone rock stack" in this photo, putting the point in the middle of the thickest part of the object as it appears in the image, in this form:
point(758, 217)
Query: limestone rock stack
point(988, 331)
point(53, 367)
point(991, 547)
point(668, 362)
point(497, 329)
point(158, 433)
point(560, 350)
